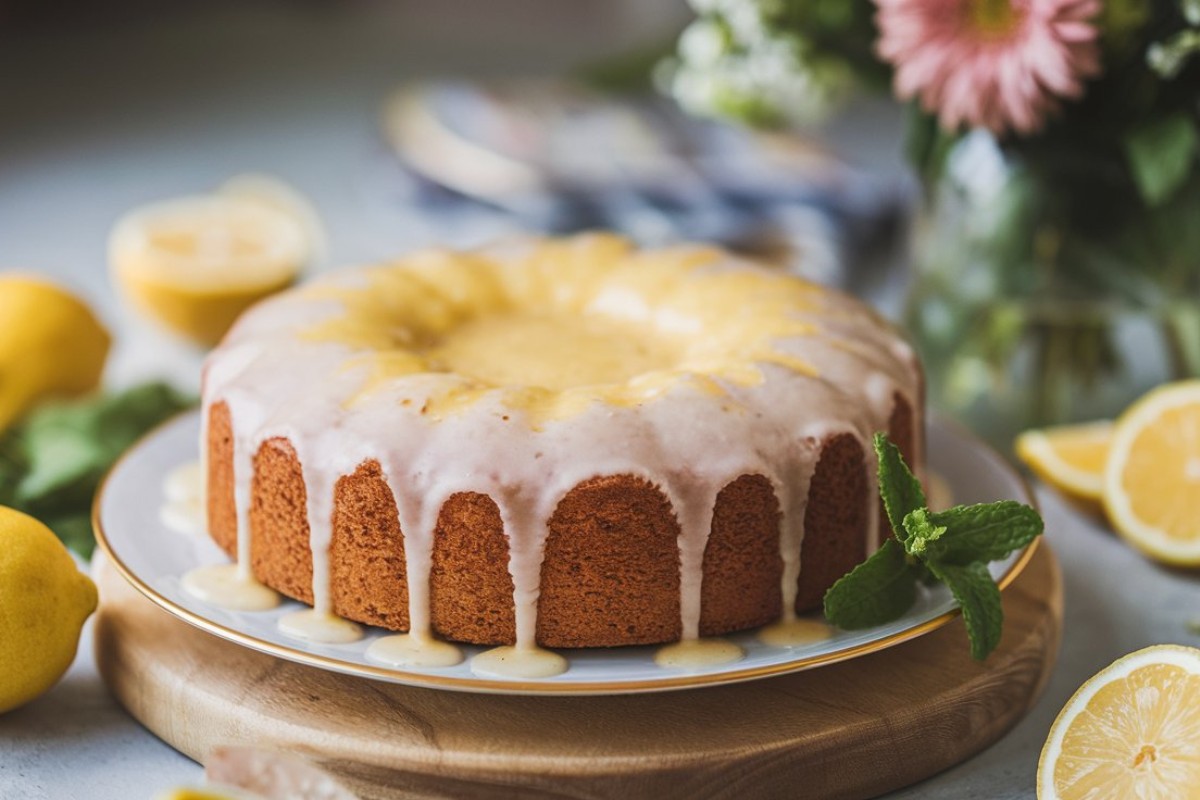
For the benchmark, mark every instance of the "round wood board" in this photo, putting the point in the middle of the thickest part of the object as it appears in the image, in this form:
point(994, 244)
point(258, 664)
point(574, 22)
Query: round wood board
point(850, 730)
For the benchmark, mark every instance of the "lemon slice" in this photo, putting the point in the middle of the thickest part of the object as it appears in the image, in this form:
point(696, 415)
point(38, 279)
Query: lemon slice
point(196, 263)
point(1070, 458)
point(1131, 731)
point(1152, 476)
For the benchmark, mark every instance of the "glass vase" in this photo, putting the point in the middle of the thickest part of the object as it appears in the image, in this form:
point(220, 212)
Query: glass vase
point(1046, 291)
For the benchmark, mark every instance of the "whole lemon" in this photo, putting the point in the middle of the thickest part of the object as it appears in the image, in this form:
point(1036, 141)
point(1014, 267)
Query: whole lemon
point(44, 601)
point(50, 344)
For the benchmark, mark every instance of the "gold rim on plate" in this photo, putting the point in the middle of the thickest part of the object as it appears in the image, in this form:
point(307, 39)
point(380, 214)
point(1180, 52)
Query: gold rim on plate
point(484, 685)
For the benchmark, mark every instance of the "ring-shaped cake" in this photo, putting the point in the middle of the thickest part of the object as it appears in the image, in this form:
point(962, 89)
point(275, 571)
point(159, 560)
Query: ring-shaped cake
point(566, 443)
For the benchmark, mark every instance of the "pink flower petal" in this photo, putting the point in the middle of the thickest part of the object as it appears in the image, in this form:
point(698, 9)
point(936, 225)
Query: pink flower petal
point(1007, 79)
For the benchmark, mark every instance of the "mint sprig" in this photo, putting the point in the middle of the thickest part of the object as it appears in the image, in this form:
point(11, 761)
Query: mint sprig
point(52, 460)
point(952, 547)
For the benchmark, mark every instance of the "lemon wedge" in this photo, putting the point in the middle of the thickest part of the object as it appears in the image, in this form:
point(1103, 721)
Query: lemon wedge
point(1152, 474)
point(196, 263)
point(1131, 731)
point(1070, 458)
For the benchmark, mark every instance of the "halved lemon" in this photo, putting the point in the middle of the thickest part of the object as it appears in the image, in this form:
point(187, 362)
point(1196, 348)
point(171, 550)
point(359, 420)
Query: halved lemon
point(1070, 458)
point(196, 263)
point(1152, 476)
point(274, 193)
point(1131, 731)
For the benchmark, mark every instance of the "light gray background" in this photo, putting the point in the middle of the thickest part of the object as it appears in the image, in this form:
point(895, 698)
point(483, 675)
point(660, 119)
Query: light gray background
point(95, 121)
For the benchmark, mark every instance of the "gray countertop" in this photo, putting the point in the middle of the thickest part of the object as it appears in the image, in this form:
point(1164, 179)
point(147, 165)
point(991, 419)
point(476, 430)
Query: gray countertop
point(87, 132)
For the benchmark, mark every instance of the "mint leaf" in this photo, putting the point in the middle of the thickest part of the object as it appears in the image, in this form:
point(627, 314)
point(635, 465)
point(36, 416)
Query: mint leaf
point(60, 453)
point(983, 532)
point(921, 532)
point(69, 446)
point(979, 597)
point(12, 468)
point(52, 461)
point(952, 547)
point(898, 487)
point(1160, 155)
point(75, 531)
point(878, 590)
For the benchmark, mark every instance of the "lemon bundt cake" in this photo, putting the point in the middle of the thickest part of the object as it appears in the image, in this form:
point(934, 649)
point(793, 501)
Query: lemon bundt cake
point(568, 442)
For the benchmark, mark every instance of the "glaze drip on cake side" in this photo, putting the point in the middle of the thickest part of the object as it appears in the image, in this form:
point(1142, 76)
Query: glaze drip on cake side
point(751, 373)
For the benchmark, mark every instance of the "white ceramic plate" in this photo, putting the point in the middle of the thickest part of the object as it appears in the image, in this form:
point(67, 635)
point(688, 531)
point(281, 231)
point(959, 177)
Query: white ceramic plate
point(154, 557)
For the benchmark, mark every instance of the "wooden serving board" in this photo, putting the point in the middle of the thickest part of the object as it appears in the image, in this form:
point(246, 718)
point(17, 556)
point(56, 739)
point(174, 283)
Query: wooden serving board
point(850, 730)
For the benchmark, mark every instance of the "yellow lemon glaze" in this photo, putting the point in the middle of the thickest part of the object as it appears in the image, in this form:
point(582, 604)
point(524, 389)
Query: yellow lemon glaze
point(568, 325)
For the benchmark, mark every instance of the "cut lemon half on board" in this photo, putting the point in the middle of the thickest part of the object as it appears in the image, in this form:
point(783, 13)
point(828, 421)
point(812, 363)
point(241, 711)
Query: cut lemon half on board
point(196, 263)
point(1070, 458)
point(1152, 476)
point(1131, 731)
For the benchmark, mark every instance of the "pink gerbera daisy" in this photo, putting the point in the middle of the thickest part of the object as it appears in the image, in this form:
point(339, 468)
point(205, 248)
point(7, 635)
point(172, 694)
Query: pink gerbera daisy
point(999, 64)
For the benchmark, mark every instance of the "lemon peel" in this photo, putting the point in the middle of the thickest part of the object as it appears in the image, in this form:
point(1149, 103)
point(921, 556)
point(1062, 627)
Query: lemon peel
point(51, 344)
point(44, 601)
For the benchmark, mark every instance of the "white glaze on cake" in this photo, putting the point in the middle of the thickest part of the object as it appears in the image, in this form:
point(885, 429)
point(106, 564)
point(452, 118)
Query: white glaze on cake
point(690, 431)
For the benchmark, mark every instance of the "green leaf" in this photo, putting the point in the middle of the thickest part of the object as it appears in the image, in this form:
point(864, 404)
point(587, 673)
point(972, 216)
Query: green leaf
point(979, 598)
point(69, 446)
point(952, 546)
point(60, 453)
point(983, 532)
point(75, 531)
point(52, 461)
point(920, 532)
point(1160, 155)
point(12, 467)
point(901, 491)
point(877, 591)
point(925, 143)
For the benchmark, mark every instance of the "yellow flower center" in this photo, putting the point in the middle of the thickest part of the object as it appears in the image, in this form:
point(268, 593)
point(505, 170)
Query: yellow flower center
point(993, 17)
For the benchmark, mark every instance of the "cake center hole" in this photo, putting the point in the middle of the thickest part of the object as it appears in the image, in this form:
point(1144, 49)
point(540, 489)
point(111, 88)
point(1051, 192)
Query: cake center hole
point(554, 352)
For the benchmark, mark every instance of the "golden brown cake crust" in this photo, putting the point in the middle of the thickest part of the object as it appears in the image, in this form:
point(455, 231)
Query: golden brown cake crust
point(611, 569)
point(471, 592)
point(610, 575)
point(744, 542)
